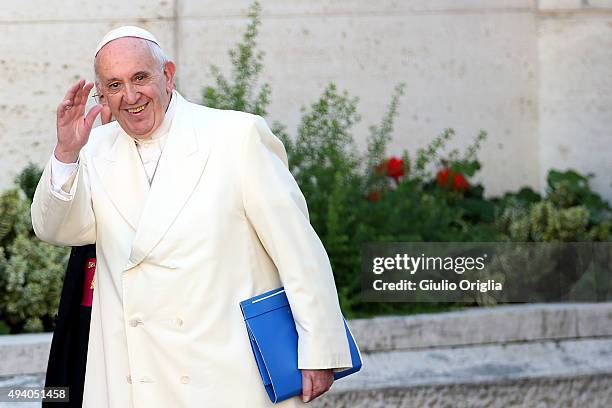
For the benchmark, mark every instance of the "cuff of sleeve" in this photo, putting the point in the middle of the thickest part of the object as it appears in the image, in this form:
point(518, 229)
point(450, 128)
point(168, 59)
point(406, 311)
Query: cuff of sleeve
point(62, 177)
point(326, 352)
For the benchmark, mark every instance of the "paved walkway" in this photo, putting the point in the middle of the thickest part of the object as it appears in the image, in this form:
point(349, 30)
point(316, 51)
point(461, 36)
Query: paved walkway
point(567, 373)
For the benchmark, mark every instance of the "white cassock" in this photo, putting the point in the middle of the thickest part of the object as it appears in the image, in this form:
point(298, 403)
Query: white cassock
point(222, 220)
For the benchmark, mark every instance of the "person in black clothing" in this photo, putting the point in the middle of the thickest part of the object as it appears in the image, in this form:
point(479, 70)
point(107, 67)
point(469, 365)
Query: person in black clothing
point(68, 355)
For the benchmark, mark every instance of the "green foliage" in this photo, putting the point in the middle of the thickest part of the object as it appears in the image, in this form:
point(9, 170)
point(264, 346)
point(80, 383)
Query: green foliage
point(31, 271)
point(28, 179)
point(524, 196)
point(335, 182)
point(31, 274)
point(570, 212)
point(569, 188)
point(355, 198)
point(426, 157)
point(14, 216)
point(4, 329)
point(241, 93)
point(468, 164)
point(542, 222)
point(381, 135)
point(323, 157)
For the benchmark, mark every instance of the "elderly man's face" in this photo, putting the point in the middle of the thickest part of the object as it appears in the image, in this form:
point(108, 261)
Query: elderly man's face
point(135, 87)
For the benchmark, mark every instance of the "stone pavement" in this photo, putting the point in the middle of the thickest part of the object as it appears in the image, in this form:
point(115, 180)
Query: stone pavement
point(569, 373)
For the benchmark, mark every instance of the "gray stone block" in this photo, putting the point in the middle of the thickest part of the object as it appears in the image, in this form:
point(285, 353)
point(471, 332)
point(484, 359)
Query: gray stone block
point(24, 353)
point(502, 324)
point(577, 392)
point(569, 373)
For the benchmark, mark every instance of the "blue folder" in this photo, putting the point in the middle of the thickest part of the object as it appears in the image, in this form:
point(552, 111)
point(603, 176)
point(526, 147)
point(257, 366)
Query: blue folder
point(274, 341)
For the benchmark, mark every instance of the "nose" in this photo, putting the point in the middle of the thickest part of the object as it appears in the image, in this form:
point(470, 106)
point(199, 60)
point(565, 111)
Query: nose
point(131, 94)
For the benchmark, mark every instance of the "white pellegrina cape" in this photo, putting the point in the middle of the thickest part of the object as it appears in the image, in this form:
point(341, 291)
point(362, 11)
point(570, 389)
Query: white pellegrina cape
point(224, 220)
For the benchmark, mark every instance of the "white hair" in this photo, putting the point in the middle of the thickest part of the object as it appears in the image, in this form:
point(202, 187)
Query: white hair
point(158, 54)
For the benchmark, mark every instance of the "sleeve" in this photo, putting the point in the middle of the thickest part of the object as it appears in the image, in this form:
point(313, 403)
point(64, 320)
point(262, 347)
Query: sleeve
point(64, 217)
point(276, 208)
point(62, 176)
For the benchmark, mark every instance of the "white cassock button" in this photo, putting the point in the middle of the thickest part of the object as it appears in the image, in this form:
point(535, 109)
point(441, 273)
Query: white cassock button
point(179, 321)
point(185, 379)
point(135, 322)
point(128, 379)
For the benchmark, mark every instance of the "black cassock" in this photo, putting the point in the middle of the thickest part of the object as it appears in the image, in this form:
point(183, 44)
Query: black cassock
point(68, 356)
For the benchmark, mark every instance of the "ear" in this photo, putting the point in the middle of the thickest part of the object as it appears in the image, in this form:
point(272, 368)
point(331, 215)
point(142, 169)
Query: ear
point(106, 115)
point(169, 70)
point(103, 101)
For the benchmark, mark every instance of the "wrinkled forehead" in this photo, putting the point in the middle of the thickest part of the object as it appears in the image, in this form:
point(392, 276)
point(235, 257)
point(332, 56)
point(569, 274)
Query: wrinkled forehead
point(124, 57)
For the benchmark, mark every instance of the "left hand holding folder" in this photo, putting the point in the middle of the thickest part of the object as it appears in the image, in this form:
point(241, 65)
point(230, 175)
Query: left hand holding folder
point(316, 383)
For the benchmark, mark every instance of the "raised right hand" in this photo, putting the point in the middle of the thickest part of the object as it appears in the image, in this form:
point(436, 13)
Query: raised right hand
point(73, 126)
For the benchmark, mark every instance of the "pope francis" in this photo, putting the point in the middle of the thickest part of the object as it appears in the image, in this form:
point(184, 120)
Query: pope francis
point(192, 210)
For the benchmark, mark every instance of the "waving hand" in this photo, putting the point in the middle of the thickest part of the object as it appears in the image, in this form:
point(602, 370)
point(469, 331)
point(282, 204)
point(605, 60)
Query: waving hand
point(73, 125)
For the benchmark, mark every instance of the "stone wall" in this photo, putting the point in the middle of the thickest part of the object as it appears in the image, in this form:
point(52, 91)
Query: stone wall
point(534, 74)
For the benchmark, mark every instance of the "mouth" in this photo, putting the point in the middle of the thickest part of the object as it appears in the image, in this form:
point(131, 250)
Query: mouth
point(137, 110)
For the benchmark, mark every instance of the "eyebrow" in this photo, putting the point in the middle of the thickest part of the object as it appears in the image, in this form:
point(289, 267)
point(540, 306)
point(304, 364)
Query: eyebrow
point(108, 81)
point(145, 73)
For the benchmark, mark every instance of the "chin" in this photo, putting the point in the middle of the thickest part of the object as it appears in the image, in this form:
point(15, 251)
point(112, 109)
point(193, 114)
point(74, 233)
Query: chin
point(138, 133)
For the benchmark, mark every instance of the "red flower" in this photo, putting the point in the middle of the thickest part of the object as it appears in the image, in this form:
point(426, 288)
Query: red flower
point(459, 182)
point(395, 168)
point(442, 176)
point(452, 179)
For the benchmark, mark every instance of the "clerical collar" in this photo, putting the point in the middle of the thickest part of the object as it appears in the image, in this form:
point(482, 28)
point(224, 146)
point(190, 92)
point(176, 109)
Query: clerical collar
point(164, 128)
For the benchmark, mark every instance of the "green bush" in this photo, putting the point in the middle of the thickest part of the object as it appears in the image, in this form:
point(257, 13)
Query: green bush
point(354, 198)
point(31, 271)
point(31, 280)
point(27, 180)
point(570, 212)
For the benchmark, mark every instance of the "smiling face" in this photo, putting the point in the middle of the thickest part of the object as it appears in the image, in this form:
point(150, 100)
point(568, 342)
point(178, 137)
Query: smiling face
point(134, 86)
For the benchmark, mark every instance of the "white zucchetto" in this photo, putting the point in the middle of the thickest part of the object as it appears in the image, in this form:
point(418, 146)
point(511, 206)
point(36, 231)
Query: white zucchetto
point(126, 31)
